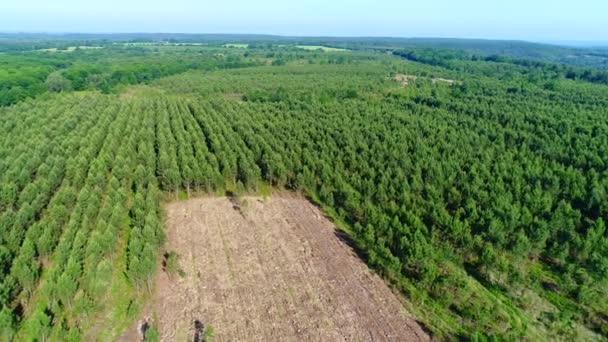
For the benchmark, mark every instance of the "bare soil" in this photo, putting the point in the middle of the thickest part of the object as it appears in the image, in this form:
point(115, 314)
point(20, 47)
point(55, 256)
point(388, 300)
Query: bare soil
point(269, 270)
point(405, 80)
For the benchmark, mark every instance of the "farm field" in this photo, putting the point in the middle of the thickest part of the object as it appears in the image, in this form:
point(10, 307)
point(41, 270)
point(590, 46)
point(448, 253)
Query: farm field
point(71, 48)
point(271, 269)
point(319, 47)
point(236, 45)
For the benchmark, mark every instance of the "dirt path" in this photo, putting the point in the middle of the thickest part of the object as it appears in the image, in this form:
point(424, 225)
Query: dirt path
point(272, 270)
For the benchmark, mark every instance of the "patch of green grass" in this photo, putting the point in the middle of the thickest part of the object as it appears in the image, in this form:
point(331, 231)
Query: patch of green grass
point(152, 334)
point(209, 333)
point(182, 195)
point(265, 190)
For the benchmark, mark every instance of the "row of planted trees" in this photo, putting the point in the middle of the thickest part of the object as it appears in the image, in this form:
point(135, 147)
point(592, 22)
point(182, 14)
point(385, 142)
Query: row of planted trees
point(102, 204)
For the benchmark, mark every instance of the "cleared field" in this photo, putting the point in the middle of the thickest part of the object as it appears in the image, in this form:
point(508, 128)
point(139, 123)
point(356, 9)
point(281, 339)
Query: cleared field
point(241, 46)
point(269, 270)
point(72, 48)
point(405, 80)
point(319, 47)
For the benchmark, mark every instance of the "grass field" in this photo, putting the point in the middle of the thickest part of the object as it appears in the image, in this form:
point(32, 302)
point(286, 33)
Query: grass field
point(319, 47)
point(240, 46)
point(162, 43)
point(72, 48)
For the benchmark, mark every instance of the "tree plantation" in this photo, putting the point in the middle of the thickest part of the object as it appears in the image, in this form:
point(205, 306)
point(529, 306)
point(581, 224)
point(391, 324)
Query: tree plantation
point(478, 187)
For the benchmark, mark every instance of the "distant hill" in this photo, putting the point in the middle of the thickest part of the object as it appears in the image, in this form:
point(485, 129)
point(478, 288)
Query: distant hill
point(580, 43)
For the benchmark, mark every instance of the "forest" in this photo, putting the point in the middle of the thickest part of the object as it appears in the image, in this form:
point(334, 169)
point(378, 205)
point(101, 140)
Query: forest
point(475, 184)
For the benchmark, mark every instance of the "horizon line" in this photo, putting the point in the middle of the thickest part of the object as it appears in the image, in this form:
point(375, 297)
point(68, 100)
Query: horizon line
point(535, 41)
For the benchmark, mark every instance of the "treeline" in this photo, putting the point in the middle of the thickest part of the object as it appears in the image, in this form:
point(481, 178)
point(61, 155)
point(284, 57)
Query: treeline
point(454, 59)
point(106, 69)
point(15, 44)
point(22, 77)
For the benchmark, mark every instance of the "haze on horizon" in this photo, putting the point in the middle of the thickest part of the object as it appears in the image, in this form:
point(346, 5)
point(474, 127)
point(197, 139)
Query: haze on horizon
point(539, 20)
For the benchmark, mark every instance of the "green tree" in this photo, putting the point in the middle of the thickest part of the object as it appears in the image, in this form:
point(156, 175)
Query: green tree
point(56, 82)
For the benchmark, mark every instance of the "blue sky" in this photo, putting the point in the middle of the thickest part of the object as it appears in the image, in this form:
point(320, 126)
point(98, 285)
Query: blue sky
point(539, 20)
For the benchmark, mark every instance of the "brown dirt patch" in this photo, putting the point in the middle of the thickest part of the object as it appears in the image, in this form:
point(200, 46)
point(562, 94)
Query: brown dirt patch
point(270, 270)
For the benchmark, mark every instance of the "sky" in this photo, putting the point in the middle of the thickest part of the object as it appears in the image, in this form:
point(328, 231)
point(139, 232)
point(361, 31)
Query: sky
point(535, 20)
